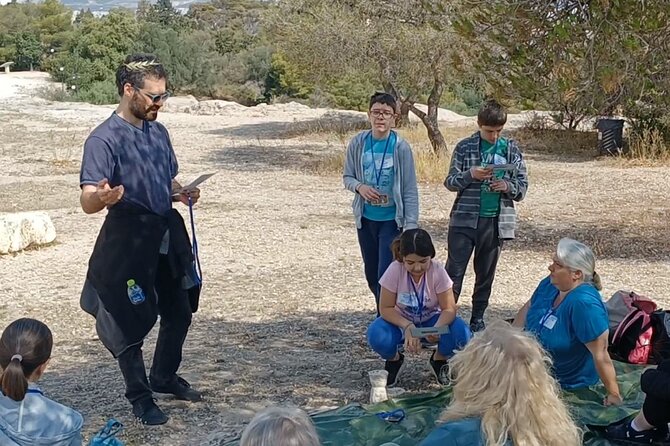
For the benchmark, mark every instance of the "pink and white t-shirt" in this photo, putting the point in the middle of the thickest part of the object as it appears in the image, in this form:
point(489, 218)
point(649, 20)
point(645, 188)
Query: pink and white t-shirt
point(416, 302)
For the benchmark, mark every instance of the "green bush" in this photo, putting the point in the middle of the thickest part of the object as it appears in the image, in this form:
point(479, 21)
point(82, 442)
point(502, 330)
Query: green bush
point(248, 94)
point(284, 79)
point(462, 99)
point(100, 92)
point(351, 92)
point(54, 93)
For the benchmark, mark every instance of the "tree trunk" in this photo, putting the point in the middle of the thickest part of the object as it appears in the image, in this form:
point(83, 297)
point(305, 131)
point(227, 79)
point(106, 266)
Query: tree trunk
point(405, 105)
point(403, 117)
point(430, 119)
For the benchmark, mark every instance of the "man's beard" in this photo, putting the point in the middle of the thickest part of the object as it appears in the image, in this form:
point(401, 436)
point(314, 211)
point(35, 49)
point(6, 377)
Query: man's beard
point(140, 111)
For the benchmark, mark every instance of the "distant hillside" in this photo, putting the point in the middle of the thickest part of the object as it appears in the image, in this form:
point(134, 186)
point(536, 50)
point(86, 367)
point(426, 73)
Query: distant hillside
point(106, 5)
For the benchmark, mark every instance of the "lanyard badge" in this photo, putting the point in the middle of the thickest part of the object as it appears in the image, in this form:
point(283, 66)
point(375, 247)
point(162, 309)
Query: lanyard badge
point(420, 295)
point(383, 199)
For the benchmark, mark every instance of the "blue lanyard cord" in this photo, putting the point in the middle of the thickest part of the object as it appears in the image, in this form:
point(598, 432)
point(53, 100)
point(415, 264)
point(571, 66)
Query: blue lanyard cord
point(420, 297)
point(378, 174)
point(194, 242)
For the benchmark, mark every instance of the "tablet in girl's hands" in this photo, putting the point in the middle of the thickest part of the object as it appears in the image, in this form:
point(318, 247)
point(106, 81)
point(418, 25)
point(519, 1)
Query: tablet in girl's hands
point(422, 332)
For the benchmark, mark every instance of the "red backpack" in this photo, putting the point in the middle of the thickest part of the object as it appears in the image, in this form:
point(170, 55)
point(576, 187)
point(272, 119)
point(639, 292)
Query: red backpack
point(632, 339)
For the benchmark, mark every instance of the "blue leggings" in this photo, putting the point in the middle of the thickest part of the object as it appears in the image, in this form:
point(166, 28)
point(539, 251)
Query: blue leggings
point(384, 337)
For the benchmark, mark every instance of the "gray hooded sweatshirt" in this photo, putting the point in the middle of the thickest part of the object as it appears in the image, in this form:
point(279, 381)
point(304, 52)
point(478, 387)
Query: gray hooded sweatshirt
point(405, 191)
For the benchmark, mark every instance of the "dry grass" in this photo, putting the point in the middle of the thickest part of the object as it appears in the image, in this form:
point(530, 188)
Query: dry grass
point(330, 124)
point(647, 148)
point(431, 167)
point(566, 144)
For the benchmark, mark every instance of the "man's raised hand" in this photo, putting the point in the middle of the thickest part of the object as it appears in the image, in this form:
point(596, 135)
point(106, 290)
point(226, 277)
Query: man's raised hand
point(109, 195)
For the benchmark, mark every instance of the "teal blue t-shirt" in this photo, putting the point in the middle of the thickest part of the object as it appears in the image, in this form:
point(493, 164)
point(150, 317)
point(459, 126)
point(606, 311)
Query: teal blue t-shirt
point(466, 432)
point(492, 155)
point(378, 170)
point(564, 331)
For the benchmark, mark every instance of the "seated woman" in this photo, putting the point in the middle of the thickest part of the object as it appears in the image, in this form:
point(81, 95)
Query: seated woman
point(651, 424)
point(568, 317)
point(280, 426)
point(504, 395)
point(416, 292)
point(27, 417)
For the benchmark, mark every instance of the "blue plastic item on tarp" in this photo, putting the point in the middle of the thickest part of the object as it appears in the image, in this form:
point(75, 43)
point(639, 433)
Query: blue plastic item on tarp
point(107, 435)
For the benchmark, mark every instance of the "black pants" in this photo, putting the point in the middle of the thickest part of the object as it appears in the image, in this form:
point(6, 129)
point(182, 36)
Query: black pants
point(657, 410)
point(175, 318)
point(486, 244)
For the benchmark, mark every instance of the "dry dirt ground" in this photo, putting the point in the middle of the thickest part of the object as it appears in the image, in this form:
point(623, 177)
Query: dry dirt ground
point(285, 306)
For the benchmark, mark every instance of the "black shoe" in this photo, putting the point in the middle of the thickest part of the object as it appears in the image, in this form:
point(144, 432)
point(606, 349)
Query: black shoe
point(148, 413)
point(626, 433)
point(394, 368)
point(440, 368)
point(477, 325)
point(181, 389)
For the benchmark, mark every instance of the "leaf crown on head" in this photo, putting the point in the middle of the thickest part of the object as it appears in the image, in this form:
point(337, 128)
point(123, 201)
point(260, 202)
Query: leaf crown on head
point(141, 65)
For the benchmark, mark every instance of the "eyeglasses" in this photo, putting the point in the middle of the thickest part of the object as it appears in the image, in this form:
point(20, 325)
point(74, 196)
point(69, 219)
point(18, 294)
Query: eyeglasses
point(155, 98)
point(381, 114)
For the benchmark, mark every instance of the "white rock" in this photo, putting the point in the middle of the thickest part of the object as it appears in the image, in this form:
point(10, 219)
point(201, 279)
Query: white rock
point(181, 104)
point(216, 106)
point(21, 230)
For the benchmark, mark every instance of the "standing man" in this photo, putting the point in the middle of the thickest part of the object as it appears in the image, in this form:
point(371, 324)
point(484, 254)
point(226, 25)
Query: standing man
point(142, 264)
point(483, 214)
point(379, 170)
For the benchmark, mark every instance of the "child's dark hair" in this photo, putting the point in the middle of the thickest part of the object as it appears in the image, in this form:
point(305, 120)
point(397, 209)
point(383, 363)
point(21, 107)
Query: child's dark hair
point(383, 98)
point(137, 67)
point(492, 113)
point(24, 346)
point(413, 241)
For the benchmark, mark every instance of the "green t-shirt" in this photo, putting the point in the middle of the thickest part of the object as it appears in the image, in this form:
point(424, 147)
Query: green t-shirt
point(492, 154)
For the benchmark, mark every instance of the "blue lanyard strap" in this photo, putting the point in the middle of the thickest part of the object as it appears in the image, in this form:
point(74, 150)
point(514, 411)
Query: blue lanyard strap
point(194, 242)
point(420, 295)
point(378, 174)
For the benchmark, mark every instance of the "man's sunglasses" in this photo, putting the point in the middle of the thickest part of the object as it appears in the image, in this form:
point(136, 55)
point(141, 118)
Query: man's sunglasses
point(155, 98)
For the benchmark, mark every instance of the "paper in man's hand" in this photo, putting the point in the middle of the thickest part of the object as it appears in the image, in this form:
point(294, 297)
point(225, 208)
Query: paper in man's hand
point(193, 184)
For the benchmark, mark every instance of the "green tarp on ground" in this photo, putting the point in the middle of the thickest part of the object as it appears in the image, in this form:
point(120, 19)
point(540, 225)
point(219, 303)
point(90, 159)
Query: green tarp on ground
point(357, 425)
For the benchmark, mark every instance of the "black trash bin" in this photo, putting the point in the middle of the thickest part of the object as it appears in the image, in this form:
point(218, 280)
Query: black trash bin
point(610, 136)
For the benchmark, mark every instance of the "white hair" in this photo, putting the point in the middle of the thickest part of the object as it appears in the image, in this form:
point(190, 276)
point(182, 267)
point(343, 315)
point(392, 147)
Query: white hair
point(280, 426)
point(578, 257)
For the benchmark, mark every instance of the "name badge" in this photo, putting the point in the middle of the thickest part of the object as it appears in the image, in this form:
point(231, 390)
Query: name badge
point(381, 201)
point(550, 321)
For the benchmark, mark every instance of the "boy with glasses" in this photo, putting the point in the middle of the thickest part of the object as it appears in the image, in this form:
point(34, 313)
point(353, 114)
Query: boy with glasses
point(379, 170)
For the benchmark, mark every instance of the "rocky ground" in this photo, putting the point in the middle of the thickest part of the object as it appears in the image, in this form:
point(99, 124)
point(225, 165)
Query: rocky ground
point(285, 306)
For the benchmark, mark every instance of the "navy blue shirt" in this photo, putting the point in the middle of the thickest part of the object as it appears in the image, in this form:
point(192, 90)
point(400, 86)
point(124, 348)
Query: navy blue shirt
point(142, 160)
